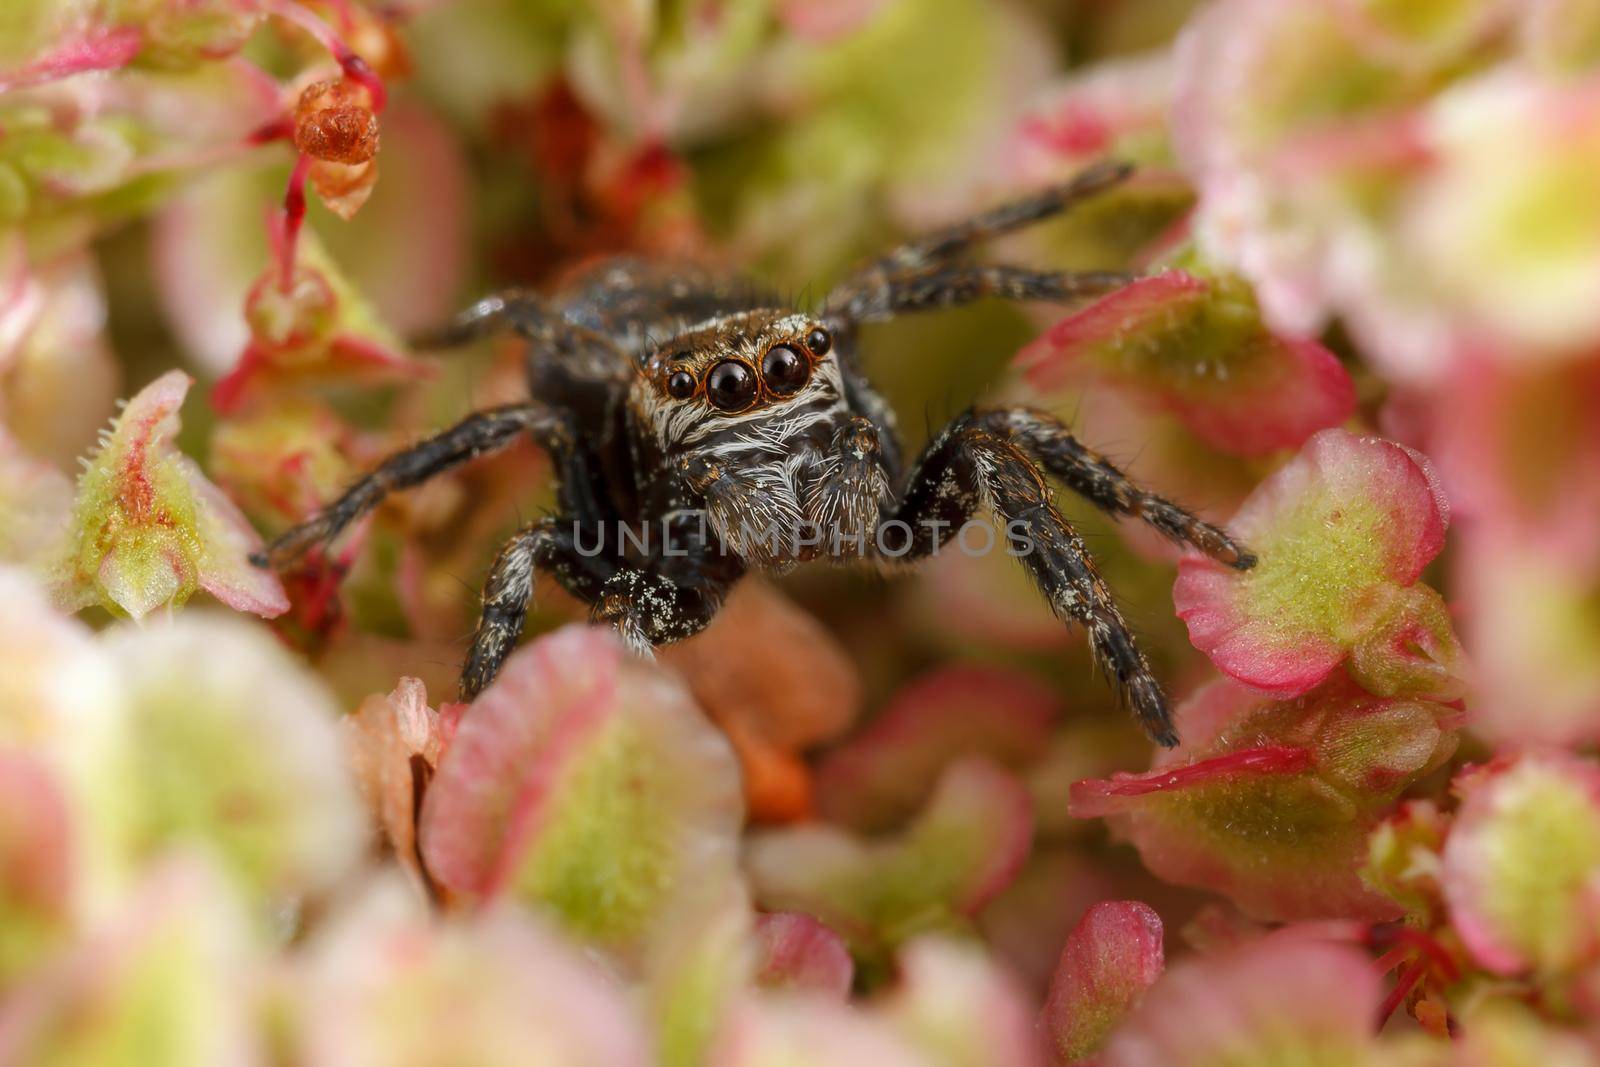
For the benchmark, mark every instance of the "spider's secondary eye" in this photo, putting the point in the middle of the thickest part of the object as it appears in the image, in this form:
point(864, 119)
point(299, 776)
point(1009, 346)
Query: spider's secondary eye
point(784, 370)
point(681, 384)
point(819, 341)
point(730, 385)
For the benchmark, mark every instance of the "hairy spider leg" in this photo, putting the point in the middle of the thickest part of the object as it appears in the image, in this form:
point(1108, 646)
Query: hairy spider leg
point(658, 606)
point(478, 434)
point(549, 545)
point(1099, 481)
point(559, 347)
point(670, 592)
point(968, 468)
point(951, 241)
point(880, 293)
point(922, 275)
point(515, 308)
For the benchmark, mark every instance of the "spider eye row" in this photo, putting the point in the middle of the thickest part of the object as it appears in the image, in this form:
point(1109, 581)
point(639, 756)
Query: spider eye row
point(731, 385)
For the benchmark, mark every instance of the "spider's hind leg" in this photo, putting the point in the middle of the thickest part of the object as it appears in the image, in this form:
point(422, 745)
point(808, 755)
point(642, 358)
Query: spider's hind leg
point(945, 244)
point(1099, 481)
point(515, 308)
point(969, 466)
point(928, 272)
point(881, 293)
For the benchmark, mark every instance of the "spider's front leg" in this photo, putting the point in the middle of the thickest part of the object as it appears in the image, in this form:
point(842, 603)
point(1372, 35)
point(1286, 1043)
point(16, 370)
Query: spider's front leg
point(675, 590)
point(1099, 481)
point(550, 545)
point(649, 608)
point(476, 435)
point(969, 466)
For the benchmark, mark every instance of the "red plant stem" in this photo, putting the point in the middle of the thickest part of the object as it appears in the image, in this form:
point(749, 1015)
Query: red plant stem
point(99, 48)
point(1391, 959)
point(355, 68)
point(279, 129)
point(1402, 987)
point(330, 574)
point(1409, 936)
point(1268, 759)
point(294, 217)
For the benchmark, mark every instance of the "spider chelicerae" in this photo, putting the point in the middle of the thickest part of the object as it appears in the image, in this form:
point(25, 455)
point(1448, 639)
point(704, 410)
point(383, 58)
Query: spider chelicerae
point(698, 429)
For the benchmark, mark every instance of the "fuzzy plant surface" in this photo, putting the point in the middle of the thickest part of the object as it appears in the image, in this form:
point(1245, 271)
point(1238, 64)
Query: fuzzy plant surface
point(246, 817)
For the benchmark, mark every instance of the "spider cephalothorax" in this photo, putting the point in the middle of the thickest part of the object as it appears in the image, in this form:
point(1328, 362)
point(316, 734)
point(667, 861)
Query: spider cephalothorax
point(750, 412)
point(699, 429)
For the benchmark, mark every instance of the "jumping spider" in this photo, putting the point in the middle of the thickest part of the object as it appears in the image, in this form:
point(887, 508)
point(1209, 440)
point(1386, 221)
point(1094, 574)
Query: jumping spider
point(685, 399)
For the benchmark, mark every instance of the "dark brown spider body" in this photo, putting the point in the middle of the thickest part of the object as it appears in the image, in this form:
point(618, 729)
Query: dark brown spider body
point(700, 429)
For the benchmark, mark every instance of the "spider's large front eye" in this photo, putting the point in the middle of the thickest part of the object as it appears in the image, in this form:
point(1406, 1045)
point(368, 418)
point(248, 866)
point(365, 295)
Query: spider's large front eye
point(784, 370)
point(681, 385)
point(731, 385)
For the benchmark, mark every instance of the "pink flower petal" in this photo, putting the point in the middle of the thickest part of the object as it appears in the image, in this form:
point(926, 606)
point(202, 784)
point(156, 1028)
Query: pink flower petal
point(1270, 802)
point(387, 984)
point(795, 951)
point(1419, 37)
point(1519, 449)
point(1340, 533)
point(55, 684)
point(1113, 108)
point(35, 501)
point(825, 20)
point(172, 969)
point(1511, 156)
point(959, 1008)
point(468, 811)
point(588, 784)
point(385, 737)
point(1196, 347)
point(778, 1032)
point(226, 572)
point(771, 707)
point(1272, 1002)
point(966, 846)
point(213, 701)
point(886, 772)
point(1530, 621)
point(1111, 957)
point(58, 377)
point(38, 863)
point(1521, 869)
point(148, 528)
